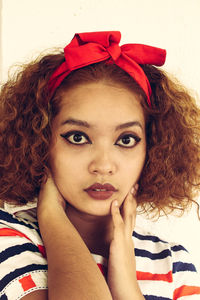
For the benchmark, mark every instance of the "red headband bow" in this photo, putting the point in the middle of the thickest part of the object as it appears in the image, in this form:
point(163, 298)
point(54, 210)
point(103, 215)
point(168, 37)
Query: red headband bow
point(93, 47)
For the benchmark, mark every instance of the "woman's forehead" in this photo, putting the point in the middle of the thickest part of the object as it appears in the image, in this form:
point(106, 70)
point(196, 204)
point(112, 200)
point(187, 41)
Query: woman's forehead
point(100, 101)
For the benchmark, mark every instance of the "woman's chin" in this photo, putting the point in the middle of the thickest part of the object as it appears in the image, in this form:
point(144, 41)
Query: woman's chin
point(91, 211)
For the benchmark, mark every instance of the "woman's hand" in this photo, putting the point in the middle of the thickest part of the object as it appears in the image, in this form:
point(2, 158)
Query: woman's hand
point(122, 279)
point(49, 197)
point(72, 271)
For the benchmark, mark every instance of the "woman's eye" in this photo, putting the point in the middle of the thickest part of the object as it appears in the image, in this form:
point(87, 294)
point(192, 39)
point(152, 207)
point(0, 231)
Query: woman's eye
point(128, 140)
point(76, 138)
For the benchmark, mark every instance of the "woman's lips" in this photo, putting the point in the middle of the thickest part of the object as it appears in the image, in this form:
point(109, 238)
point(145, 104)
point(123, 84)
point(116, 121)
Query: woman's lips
point(100, 191)
point(100, 195)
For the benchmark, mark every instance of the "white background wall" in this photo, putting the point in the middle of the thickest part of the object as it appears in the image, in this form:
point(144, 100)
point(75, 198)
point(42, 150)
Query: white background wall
point(31, 26)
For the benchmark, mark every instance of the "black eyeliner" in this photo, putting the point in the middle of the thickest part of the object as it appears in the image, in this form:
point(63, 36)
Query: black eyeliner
point(69, 133)
point(136, 137)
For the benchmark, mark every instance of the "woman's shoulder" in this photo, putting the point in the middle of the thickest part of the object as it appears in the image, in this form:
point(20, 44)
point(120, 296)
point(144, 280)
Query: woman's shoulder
point(22, 218)
point(22, 254)
point(164, 265)
point(19, 226)
point(152, 245)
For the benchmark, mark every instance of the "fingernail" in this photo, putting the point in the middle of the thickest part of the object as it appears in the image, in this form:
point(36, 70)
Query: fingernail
point(136, 186)
point(116, 203)
point(132, 190)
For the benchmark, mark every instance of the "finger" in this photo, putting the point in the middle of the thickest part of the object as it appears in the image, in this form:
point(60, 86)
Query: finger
point(46, 179)
point(129, 213)
point(117, 219)
point(133, 192)
point(50, 193)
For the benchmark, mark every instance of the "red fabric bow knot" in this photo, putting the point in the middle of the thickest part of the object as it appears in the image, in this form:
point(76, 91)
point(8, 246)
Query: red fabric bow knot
point(87, 48)
point(93, 47)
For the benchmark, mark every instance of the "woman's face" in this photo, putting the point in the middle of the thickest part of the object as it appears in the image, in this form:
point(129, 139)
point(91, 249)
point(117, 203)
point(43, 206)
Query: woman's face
point(98, 138)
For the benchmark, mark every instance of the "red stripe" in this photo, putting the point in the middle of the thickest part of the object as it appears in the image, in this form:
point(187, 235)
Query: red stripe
point(149, 276)
point(185, 290)
point(42, 250)
point(13, 232)
point(103, 269)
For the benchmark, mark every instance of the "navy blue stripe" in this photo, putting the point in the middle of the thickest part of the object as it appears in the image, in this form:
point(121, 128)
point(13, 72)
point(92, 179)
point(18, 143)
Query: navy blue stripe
point(148, 238)
point(177, 248)
point(180, 266)
point(5, 216)
point(18, 272)
point(18, 249)
point(154, 256)
point(4, 297)
point(151, 297)
point(37, 229)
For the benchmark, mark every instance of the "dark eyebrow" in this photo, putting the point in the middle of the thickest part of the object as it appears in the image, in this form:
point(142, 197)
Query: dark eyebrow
point(87, 125)
point(129, 124)
point(76, 122)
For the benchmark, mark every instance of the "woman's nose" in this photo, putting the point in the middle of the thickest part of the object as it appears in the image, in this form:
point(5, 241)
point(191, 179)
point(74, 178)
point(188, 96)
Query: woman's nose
point(103, 164)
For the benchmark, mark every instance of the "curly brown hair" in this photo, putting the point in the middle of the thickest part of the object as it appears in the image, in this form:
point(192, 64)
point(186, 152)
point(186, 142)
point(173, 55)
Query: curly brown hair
point(170, 177)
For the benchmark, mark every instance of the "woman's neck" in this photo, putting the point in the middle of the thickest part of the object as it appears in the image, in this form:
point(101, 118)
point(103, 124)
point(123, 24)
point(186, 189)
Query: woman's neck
point(96, 231)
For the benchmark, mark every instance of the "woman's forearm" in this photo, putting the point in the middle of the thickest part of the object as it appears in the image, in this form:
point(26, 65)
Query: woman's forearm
point(72, 271)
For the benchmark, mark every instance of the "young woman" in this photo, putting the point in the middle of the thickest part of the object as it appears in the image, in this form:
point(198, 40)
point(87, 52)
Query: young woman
point(87, 136)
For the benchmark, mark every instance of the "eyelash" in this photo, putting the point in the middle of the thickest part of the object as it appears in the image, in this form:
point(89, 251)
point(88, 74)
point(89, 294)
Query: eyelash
point(81, 134)
point(71, 133)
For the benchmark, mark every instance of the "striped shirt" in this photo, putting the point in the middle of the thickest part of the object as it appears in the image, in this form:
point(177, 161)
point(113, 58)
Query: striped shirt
point(164, 270)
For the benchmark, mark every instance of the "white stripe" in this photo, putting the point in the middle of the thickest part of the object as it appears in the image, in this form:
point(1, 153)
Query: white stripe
point(162, 266)
point(20, 261)
point(32, 234)
point(100, 259)
point(151, 246)
point(186, 278)
point(191, 297)
point(156, 288)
